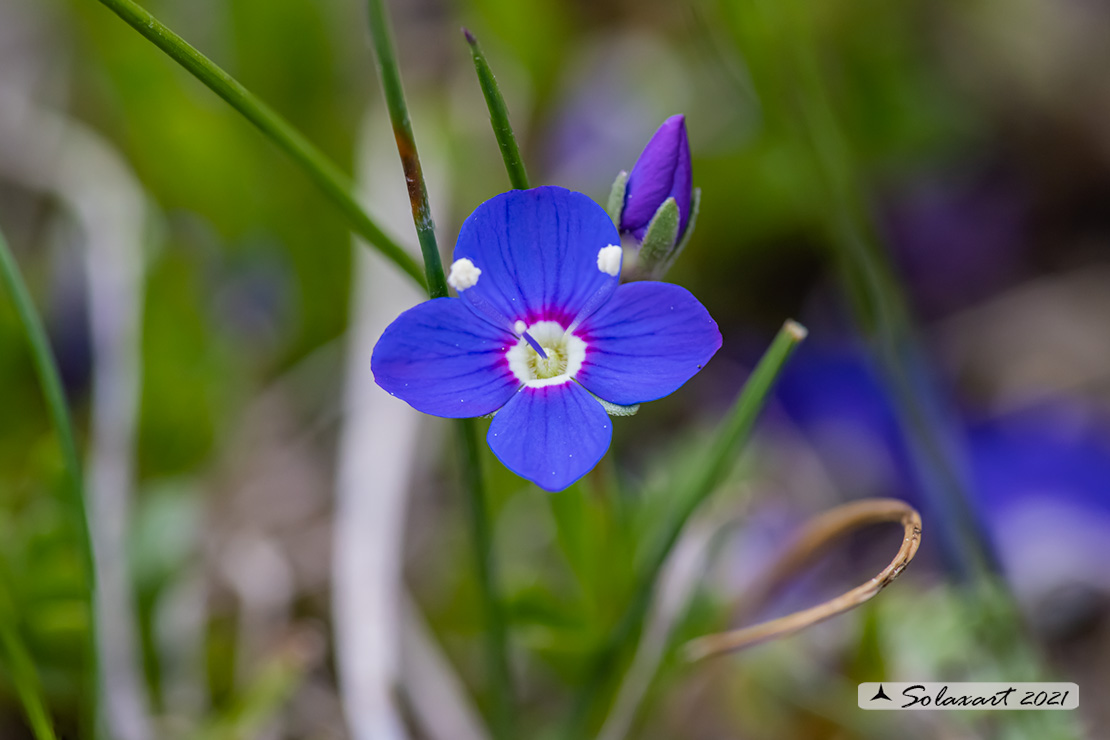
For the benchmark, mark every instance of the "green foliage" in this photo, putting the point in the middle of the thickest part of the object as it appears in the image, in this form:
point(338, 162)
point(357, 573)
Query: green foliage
point(570, 575)
point(79, 616)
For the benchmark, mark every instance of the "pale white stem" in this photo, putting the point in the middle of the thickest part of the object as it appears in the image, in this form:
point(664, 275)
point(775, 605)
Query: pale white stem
point(261, 575)
point(63, 157)
point(113, 212)
point(677, 583)
point(379, 448)
point(180, 620)
point(437, 695)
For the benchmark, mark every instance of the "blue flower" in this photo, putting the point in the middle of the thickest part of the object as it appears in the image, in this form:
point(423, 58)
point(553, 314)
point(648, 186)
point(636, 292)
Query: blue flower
point(662, 171)
point(1042, 484)
point(541, 331)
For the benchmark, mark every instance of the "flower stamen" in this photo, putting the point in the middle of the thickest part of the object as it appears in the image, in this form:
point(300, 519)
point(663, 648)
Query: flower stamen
point(609, 260)
point(463, 275)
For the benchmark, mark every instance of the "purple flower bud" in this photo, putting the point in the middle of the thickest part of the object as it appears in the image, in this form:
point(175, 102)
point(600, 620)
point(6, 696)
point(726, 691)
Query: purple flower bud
point(661, 172)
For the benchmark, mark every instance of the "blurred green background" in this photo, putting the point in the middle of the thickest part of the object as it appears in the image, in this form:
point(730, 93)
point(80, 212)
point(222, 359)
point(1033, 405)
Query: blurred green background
point(973, 135)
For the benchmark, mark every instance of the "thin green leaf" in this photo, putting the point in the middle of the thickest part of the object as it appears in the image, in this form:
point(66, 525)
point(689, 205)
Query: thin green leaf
point(390, 75)
point(728, 441)
point(74, 500)
point(336, 185)
point(21, 668)
point(498, 116)
point(467, 441)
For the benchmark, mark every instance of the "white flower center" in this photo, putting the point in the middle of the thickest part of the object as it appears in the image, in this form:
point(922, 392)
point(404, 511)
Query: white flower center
point(565, 353)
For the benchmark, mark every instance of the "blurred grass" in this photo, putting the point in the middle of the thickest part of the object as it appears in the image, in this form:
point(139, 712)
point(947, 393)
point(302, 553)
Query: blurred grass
point(20, 666)
point(17, 657)
point(237, 215)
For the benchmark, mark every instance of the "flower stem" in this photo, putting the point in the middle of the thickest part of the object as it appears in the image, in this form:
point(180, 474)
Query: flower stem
point(335, 184)
point(728, 441)
point(390, 76)
point(496, 633)
point(469, 449)
point(498, 116)
point(74, 500)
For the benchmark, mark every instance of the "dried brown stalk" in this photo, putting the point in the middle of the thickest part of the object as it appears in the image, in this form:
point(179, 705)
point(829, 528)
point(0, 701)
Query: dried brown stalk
point(817, 536)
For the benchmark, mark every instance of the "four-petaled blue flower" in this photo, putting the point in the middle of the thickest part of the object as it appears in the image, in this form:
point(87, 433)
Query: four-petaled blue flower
point(541, 331)
point(662, 171)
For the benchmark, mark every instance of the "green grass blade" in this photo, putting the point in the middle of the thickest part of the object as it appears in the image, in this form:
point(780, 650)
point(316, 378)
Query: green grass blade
point(467, 439)
point(22, 670)
point(735, 429)
point(51, 382)
point(728, 442)
point(331, 180)
point(498, 116)
point(74, 500)
point(390, 75)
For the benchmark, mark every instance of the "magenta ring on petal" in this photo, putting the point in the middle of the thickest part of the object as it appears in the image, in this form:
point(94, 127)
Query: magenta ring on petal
point(559, 362)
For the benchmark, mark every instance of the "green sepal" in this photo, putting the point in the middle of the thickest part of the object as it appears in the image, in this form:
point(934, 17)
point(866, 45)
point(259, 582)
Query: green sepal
point(695, 204)
point(616, 198)
point(660, 237)
point(614, 410)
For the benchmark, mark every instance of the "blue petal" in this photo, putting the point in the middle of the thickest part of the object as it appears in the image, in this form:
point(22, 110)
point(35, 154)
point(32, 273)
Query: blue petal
point(552, 435)
point(443, 360)
point(647, 341)
point(537, 250)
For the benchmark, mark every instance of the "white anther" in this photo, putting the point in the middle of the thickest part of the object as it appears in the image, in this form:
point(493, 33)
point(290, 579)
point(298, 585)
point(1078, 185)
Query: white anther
point(609, 260)
point(463, 275)
point(519, 327)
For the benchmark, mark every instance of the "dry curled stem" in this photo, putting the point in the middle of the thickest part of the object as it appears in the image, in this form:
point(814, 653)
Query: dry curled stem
point(815, 539)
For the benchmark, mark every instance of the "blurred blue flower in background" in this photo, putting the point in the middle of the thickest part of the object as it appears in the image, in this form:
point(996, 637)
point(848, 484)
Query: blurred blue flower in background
point(1042, 482)
point(1040, 478)
point(958, 240)
point(834, 392)
point(542, 331)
